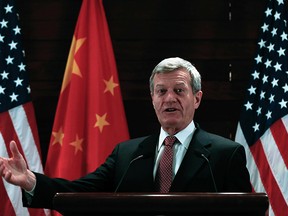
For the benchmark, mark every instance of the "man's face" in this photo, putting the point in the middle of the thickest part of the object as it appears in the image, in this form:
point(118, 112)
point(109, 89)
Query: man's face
point(173, 100)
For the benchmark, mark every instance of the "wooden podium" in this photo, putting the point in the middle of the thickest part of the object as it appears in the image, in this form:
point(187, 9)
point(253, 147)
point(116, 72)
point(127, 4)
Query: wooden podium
point(208, 204)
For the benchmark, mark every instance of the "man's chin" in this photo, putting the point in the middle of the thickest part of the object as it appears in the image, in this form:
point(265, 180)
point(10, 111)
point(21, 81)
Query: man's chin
point(171, 123)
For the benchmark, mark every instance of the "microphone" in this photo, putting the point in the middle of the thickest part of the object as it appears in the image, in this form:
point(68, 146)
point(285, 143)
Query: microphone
point(122, 178)
point(210, 169)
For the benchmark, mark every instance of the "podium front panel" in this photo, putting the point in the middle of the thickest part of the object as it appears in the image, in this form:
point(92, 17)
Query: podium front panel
point(197, 204)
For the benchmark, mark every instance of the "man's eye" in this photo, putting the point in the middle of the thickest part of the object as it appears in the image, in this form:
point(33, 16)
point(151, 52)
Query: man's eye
point(179, 90)
point(161, 91)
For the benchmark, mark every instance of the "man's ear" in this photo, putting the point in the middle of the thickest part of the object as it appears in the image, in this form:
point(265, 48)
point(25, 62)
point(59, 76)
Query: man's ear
point(151, 95)
point(198, 97)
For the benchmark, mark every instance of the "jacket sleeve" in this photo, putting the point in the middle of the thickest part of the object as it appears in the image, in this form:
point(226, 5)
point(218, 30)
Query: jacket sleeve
point(46, 188)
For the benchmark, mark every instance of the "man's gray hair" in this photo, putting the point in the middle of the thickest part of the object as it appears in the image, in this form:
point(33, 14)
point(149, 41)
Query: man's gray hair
point(171, 64)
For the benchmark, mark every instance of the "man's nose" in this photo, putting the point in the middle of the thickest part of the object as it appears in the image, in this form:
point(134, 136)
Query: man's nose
point(170, 96)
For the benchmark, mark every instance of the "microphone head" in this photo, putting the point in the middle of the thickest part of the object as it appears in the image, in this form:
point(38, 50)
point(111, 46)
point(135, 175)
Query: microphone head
point(198, 153)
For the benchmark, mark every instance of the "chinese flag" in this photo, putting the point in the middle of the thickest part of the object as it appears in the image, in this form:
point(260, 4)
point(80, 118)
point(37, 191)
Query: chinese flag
point(90, 118)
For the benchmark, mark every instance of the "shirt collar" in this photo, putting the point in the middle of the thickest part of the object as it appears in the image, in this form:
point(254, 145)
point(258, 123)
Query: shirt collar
point(184, 136)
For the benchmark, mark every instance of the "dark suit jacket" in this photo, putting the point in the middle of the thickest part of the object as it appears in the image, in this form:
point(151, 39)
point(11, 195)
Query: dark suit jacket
point(227, 160)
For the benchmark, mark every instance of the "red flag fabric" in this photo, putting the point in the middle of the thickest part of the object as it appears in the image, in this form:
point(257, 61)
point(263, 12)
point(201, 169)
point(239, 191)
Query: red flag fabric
point(90, 118)
point(17, 117)
point(263, 125)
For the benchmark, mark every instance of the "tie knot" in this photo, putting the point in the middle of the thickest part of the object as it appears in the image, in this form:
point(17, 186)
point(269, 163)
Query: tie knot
point(170, 140)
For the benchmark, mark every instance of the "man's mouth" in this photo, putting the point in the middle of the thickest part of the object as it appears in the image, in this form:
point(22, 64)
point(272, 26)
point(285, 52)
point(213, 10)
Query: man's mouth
point(170, 110)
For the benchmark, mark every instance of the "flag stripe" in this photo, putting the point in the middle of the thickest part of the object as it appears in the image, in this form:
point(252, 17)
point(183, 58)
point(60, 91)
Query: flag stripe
point(11, 121)
point(275, 160)
point(23, 131)
point(277, 200)
point(255, 176)
point(4, 198)
point(21, 123)
point(29, 110)
point(11, 190)
point(280, 135)
point(251, 164)
point(8, 131)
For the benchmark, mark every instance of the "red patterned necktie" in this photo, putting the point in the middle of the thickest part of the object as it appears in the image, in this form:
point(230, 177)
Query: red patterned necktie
point(164, 173)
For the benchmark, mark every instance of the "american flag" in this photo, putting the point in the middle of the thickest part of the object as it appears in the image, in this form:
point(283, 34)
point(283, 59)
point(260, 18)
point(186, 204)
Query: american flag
point(17, 120)
point(263, 124)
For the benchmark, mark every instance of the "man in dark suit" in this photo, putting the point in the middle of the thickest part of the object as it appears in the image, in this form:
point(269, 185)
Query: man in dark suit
point(201, 161)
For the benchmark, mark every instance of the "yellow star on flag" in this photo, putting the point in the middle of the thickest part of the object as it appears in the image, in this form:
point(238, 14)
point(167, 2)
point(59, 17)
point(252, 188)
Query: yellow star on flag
point(58, 135)
point(72, 66)
point(77, 144)
point(101, 121)
point(110, 85)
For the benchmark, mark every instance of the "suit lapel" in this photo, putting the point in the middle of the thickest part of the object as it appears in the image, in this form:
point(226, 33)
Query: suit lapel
point(140, 173)
point(192, 160)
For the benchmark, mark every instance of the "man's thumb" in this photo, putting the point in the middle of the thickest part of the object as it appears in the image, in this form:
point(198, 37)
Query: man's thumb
point(14, 149)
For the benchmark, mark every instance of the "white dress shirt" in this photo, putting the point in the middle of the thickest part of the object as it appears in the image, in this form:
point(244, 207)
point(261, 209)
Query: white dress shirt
point(181, 145)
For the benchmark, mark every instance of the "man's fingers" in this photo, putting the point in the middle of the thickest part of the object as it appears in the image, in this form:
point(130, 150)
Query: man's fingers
point(14, 149)
point(5, 173)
